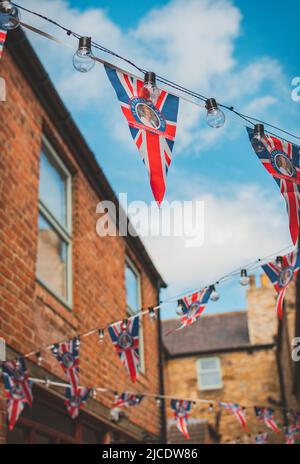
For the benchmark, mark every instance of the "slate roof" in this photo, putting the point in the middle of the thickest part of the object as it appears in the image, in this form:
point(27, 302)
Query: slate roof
point(215, 332)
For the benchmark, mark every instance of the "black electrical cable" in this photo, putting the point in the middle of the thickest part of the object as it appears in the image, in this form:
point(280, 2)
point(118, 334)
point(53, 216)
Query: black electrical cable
point(249, 119)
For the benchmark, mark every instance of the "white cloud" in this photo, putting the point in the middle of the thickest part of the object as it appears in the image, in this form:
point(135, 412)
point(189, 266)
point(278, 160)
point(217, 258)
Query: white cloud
point(236, 231)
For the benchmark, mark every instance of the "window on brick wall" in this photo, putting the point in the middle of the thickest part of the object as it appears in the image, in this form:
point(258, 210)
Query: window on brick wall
point(133, 301)
point(209, 374)
point(54, 266)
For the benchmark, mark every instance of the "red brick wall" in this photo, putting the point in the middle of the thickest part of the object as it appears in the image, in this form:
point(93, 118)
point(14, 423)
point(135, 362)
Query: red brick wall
point(29, 316)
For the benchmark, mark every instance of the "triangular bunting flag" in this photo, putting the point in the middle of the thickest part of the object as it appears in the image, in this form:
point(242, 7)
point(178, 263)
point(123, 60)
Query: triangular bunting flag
point(281, 160)
point(153, 127)
point(67, 354)
point(125, 337)
point(181, 410)
point(17, 389)
point(281, 272)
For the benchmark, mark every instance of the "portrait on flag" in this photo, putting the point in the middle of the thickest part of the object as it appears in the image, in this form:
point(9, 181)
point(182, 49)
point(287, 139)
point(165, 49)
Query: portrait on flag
point(152, 127)
point(281, 272)
point(125, 337)
point(281, 159)
point(18, 389)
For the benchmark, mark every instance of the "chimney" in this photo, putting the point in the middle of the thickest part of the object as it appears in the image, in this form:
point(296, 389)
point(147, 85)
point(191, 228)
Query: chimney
point(262, 318)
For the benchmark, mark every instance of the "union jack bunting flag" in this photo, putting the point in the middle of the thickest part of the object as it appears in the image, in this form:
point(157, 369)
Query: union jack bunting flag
point(17, 389)
point(181, 410)
point(127, 399)
point(67, 354)
point(237, 410)
point(2, 41)
point(125, 337)
point(281, 273)
point(152, 127)
point(193, 306)
point(261, 438)
point(296, 419)
point(281, 160)
point(290, 435)
point(266, 415)
point(76, 399)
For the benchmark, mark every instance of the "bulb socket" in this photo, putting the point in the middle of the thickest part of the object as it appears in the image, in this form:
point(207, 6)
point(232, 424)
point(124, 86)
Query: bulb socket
point(259, 129)
point(85, 42)
point(211, 104)
point(150, 77)
point(212, 288)
point(244, 273)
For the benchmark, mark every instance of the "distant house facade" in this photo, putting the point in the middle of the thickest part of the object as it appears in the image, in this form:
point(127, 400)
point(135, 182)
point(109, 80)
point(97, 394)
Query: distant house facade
point(229, 357)
point(58, 278)
point(289, 340)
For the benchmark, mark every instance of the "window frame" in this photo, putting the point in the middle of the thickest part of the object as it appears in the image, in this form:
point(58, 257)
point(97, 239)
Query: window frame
point(217, 386)
point(131, 313)
point(63, 231)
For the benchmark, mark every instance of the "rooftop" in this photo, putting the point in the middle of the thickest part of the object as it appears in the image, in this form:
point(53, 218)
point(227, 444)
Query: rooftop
point(215, 332)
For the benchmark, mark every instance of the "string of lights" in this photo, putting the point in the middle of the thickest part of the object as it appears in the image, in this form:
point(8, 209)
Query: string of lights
point(84, 60)
point(151, 311)
point(212, 404)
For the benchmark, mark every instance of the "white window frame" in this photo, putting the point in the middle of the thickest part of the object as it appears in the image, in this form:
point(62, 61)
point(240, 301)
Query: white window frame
point(131, 312)
point(200, 371)
point(64, 232)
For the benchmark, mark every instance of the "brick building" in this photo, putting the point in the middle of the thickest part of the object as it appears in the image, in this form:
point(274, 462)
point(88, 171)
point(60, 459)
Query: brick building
point(227, 357)
point(288, 330)
point(57, 276)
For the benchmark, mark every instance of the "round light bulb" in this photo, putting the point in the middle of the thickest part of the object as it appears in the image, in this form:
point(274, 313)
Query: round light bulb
point(83, 59)
point(244, 280)
point(214, 296)
point(9, 16)
point(258, 139)
point(149, 91)
point(101, 335)
point(215, 117)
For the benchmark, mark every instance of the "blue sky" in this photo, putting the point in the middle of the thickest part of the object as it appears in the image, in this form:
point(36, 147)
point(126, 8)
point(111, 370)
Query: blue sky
point(243, 53)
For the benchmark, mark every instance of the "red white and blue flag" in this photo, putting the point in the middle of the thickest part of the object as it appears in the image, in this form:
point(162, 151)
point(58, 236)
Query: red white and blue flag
point(192, 307)
point(261, 439)
point(281, 273)
point(17, 389)
point(296, 419)
point(127, 399)
point(281, 160)
point(181, 410)
point(76, 399)
point(3, 35)
point(290, 434)
point(153, 127)
point(266, 415)
point(237, 410)
point(67, 354)
point(125, 337)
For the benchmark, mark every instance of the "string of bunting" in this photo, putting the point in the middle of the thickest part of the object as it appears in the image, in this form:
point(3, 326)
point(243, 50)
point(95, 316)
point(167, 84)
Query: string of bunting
point(18, 387)
point(190, 305)
point(151, 114)
point(125, 337)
